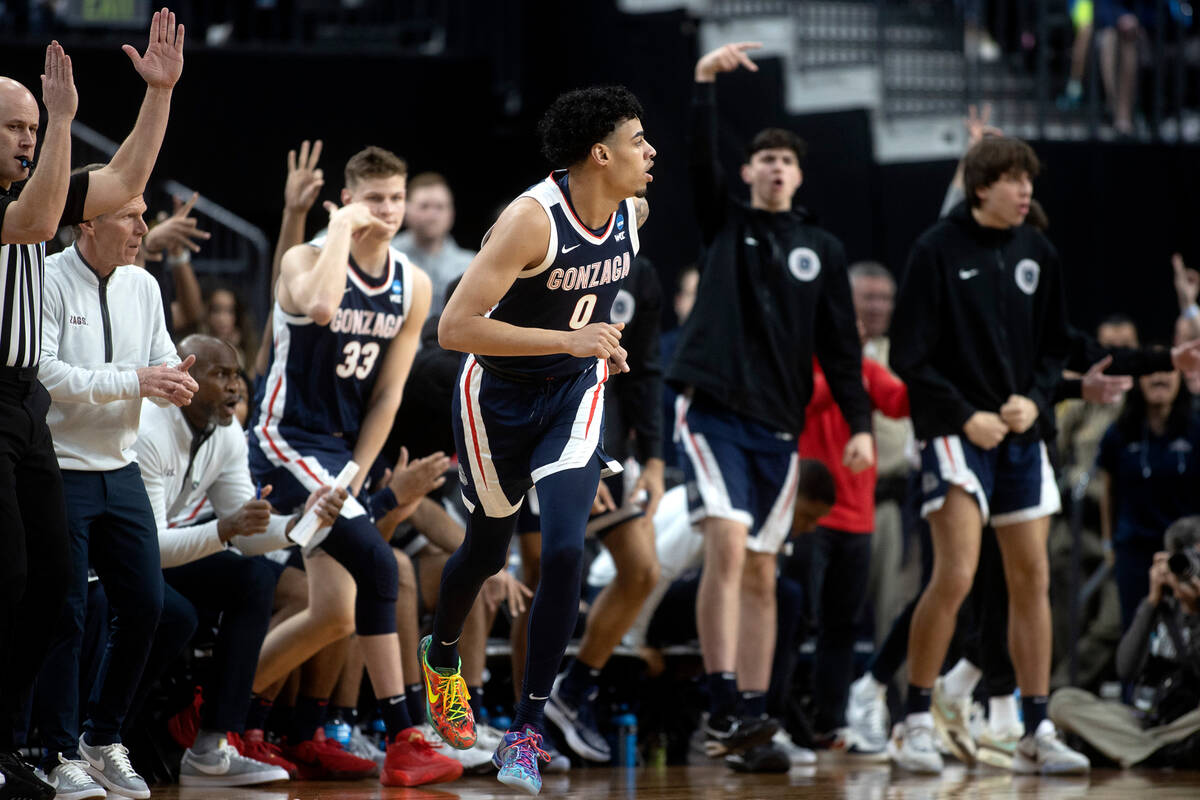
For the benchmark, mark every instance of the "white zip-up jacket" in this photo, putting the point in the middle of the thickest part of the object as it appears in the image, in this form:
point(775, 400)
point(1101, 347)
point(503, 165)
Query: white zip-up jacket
point(181, 486)
point(96, 334)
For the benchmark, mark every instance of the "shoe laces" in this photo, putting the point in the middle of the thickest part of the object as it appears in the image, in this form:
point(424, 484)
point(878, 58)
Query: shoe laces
point(117, 754)
point(73, 771)
point(920, 738)
point(529, 750)
point(452, 691)
point(420, 744)
point(874, 719)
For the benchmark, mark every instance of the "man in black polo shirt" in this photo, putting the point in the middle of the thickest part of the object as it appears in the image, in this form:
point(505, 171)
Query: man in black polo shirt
point(34, 562)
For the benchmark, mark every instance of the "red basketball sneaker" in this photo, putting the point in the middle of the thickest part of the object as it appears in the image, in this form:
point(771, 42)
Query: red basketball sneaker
point(412, 761)
point(251, 744)
point(320, 758)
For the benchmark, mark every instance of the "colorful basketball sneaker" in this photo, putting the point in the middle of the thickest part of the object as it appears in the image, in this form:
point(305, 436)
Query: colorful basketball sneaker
point(446, 702)
point(517, 759)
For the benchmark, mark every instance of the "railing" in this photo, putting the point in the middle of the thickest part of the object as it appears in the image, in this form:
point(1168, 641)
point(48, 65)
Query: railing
point(237, 249)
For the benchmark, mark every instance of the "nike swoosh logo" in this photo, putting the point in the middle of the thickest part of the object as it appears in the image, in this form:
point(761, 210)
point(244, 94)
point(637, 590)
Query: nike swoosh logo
point(967, 274)
point(566, 249)
point(98, 764)
point(216, 769)
point(396, 700)
point(750, 240)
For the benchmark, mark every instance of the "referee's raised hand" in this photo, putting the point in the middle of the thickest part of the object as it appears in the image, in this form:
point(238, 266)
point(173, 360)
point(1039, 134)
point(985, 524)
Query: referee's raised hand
point(58, 84)
point(162, 64)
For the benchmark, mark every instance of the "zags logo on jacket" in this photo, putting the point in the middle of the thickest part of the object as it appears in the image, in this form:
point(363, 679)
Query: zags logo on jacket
point(77, 319)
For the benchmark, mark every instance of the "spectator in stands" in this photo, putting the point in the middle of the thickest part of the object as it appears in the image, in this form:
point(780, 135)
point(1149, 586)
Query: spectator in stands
point(1120, 23)
point(226, 319)
point(1149, 463)
point(1160, 656)
point(105, 346)
point(166, 254)
point(426, 236)
point(189, 458)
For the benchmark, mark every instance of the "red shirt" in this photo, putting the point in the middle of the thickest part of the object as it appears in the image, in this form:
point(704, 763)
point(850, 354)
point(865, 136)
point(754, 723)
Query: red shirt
point(826, 434)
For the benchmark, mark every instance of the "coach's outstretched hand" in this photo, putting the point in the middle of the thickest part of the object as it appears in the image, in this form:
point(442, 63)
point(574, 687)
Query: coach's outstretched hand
point(163, 63)
point(1096, 387)
point(726, 58)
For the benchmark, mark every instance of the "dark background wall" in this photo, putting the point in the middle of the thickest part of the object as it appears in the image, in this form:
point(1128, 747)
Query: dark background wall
point(1117, 211)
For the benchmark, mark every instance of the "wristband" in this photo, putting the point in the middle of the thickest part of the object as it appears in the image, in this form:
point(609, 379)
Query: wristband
point(1191, 312)
point(382, 502)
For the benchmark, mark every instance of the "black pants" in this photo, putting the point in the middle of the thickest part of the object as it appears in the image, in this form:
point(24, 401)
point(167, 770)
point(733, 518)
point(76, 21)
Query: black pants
point(240, 590)
point(111, 526)
point(839, 566)
point(35, 567)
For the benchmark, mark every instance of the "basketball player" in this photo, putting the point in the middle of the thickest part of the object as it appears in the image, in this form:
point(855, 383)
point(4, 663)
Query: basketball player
point(980, 340)
point(348, 315)
point(532, 314)
point(773, 293)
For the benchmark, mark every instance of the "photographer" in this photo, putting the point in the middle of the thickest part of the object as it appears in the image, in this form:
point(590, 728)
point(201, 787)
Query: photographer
point(1160, 656)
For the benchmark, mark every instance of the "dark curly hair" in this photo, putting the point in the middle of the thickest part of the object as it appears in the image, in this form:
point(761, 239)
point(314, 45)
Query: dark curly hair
point(580, 118)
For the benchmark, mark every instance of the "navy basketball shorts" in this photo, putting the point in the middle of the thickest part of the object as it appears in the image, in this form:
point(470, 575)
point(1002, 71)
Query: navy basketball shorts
point(1011, 483)
point(296, 463)
point(740, 470)
point(604, 523)
point(511, 434)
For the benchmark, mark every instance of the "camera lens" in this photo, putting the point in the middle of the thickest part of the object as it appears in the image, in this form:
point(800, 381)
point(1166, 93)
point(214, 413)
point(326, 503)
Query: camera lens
point(1185, 564)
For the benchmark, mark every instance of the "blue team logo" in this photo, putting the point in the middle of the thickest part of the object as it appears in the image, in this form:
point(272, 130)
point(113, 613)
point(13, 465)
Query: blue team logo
point(1027, 273)
point(620, 221)
point(804, 264)
point(397, 291)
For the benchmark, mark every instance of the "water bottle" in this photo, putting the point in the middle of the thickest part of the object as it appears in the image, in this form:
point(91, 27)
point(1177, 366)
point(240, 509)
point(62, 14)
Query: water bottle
point(626, 723)
point(338, 730)
point(379, 732)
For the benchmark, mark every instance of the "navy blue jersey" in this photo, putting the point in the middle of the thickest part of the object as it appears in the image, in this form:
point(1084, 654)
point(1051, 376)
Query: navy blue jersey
point(575, 285)
point(321, 377)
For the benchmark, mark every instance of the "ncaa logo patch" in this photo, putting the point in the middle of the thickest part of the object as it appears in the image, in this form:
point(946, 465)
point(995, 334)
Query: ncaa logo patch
point(1027, 273)
point(804, 264)
point(620, 221)
point(622, 307)
point(397, 291)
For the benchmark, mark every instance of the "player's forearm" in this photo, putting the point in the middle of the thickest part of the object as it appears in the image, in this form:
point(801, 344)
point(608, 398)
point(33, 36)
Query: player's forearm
point(34, 218)
point(187, 290)
point(318, 292)
point(490, 337)
point(432, 521)
point(374, 432)
point(133, 162)
point(291, 233)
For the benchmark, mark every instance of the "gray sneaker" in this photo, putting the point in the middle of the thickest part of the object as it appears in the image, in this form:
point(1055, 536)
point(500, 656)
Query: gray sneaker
point(225, 766)
point(72, 782)
point(109, 765)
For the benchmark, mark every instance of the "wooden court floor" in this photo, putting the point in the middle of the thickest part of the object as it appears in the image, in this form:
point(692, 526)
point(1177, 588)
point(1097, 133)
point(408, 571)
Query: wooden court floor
point(826, 781)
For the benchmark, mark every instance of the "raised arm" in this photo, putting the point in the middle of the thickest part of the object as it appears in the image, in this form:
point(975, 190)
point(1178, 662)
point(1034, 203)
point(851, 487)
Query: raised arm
point(708, 178)
point(129, 170)
point(34, 216)
point(519, 239)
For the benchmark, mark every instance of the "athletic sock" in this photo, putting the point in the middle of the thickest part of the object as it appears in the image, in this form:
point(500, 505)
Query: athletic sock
point(753, 704)
point(207, 741)
point(962, 678)
point(443, 657)
point(395, 715)
point(1002, 714)
point(918, 701)
point(722, 694)
point(310, 713)
point(260, 709)
point(476, 701)
point(415, 692)
point(578, 682)
point(1033, 711)
point(530, 712)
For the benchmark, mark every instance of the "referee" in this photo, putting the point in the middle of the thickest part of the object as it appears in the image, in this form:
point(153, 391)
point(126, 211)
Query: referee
point(34, 560)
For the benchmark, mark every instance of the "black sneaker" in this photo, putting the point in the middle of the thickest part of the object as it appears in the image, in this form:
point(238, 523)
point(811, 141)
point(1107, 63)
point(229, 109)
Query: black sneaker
point(577, 723)
point(726, 735)
point(20, 781)
point(768, 757)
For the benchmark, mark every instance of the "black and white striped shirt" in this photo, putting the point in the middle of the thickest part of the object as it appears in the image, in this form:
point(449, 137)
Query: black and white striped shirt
point(22, 268)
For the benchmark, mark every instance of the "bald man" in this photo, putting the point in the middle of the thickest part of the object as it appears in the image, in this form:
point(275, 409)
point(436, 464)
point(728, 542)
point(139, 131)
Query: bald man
point(35, 567)
point(194, 466)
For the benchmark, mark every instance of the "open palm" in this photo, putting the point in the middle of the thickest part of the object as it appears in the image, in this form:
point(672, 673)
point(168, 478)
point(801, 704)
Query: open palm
point(162, 64)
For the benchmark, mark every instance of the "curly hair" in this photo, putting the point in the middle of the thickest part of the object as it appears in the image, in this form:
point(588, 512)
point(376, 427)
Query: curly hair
point(579, 119)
